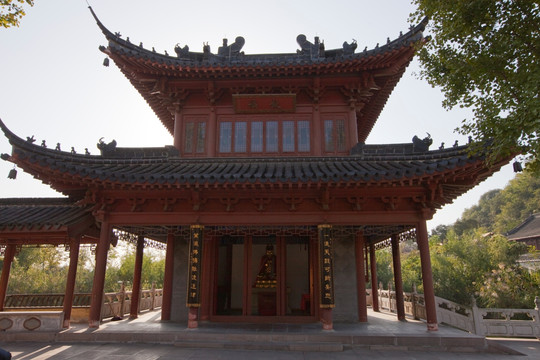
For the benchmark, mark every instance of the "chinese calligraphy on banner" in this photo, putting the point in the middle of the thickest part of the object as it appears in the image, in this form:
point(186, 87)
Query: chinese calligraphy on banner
point(326, 266)
point(194, 271)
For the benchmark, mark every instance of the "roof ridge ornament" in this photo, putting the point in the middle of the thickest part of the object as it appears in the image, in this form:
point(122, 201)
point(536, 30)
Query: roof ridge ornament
point(422, 145)
point(314, 50)
point(233, 50)
point(180, 52)
point(348, 49)
point(106, 148)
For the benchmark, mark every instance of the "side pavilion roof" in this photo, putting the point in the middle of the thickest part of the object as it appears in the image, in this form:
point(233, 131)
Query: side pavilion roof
point(45, 221)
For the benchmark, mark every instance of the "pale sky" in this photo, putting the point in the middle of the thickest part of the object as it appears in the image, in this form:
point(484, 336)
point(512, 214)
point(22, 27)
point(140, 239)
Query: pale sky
point(53, 84)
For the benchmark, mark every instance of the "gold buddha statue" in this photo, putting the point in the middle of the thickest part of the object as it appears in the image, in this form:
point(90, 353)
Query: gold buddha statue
point(266, 278)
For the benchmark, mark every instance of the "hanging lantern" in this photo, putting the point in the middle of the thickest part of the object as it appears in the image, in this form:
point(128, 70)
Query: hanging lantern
point(12, 174)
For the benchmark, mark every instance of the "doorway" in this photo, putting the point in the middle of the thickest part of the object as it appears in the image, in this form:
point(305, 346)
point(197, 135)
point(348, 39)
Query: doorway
point(263, 278)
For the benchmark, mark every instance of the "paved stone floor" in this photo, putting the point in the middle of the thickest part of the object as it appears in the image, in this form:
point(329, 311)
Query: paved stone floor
point(379, 323)
point(83, 351)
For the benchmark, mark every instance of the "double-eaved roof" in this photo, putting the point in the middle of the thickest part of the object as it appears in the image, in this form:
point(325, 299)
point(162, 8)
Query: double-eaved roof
point(433, 178)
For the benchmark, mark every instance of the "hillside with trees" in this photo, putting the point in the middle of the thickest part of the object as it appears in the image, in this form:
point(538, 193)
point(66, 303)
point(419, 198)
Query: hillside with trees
point(472, 257)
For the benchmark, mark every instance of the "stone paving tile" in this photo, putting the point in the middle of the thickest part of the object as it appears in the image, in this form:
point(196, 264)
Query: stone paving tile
point(148, 326)
point(83, 351)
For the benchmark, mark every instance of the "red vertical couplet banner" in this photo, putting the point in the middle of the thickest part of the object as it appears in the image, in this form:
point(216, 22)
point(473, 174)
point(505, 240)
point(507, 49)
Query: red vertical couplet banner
point(326, 256)
point(194, 271)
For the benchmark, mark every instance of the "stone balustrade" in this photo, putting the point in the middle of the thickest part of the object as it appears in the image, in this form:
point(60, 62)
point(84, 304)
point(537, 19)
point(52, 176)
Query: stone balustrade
point(40, 311)
point(117, 305)
point(31, 320)
point(484, 322)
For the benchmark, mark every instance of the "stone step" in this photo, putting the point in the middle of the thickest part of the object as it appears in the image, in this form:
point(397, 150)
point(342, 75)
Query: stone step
point(261, 346)
point(268, 341)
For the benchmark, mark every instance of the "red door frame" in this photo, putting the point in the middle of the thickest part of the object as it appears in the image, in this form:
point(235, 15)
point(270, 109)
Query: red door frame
point(210, 292)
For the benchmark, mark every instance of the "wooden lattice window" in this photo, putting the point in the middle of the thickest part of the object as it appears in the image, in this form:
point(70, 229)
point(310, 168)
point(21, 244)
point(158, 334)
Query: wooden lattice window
point(194, 136)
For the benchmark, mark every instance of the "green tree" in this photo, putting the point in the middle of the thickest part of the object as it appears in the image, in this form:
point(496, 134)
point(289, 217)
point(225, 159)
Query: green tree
point(499, 211)
point(41, 270)
point(481, 214)
point(485, 55)
point(85, 270)
point(440, 231)
point(411, 271)
point(38, 270)
point(122, 264)
point(510, 287)
point(11, 11)
point(462, 265)
point(518, 201)
point(384, 267)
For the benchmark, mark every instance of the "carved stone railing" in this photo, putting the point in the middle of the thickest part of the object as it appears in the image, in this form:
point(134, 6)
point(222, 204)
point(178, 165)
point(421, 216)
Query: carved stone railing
point(508, 322)
point(31, 320)
point(114, 304)
point(117, 305)
point(44, 300)
point(454, 314)
point(485, 322)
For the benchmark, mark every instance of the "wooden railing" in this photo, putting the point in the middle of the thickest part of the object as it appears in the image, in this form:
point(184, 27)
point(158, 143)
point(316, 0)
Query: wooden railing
point(114, 304)
point(484, 322)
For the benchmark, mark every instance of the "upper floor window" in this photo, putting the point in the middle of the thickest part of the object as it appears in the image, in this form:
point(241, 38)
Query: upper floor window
point(264, 136)
point(194, 136)
point(334, 136)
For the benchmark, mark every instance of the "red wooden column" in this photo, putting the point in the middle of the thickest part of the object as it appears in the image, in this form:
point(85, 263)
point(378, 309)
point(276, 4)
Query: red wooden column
point(317, 126)
point(398, 281)
point(99, 275)
point(168, 278)
point(374, 285)
point(353, 125)
point(137, 275)
point(427, 277)
point(281, 264)
point(247, 278)
point(206, 274)
point(178, 124)
point(211, 133)
point(361, 278)
point(70, 282)
point(9, 254)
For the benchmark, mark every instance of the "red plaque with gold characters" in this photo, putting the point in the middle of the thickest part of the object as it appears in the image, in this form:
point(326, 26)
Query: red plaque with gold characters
point(264, 103)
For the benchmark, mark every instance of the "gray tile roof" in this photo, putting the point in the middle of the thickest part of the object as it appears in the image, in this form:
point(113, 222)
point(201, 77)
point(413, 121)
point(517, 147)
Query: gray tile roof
point(530, 228)
point(206, 59)
point(370, 163)
point(452, 170)
point(43, 214)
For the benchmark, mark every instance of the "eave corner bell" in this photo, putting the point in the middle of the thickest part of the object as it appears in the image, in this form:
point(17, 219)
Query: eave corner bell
point(106, 62)
point(12, 174)
point(517, 167)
